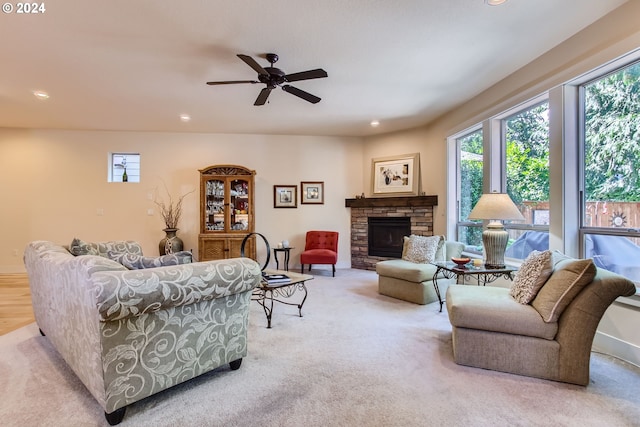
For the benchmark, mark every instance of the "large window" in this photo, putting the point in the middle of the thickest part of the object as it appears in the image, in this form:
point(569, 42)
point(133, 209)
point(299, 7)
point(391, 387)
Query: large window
point(570, 160)
point(526, 135)
point(610, 223)
point(522, 170)
point(469, 188)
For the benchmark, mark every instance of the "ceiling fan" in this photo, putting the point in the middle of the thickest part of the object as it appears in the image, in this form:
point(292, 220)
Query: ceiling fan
point(274, 77)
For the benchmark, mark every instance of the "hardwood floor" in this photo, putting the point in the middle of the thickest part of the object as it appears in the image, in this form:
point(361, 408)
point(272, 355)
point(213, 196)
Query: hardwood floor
point(15, 302)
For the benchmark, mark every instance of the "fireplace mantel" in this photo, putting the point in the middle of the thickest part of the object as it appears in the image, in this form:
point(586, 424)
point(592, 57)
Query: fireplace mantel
point(398, 202)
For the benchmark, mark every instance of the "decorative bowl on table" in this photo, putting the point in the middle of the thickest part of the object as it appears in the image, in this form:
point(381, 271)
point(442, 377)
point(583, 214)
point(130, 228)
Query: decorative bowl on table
point(460, 262)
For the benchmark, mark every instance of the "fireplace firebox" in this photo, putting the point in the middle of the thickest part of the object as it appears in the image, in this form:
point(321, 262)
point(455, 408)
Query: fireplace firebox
point(385, 235)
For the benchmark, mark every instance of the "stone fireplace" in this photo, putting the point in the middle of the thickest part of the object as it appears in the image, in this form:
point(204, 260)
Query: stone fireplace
point(418, 210)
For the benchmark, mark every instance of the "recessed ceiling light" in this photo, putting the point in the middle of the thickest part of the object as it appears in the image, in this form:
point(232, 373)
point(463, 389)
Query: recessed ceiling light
point(185, 117)
point(494, 2)
point(374, 123)
point(40, 94)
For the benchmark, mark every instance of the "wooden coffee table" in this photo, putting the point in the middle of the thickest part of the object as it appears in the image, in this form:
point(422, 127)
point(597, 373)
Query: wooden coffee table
point(266, 293)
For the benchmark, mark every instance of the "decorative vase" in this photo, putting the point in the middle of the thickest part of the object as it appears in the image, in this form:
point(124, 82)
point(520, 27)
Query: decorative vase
point(171, 243)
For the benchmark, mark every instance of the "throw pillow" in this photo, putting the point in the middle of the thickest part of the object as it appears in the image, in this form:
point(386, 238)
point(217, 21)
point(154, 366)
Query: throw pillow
point(565, 283)
point(532, 275)
point(439, 253)
point(80, 247)
point(135, 262)
point(422, 249)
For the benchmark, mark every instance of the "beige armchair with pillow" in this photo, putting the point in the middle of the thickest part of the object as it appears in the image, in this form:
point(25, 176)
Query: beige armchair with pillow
point(411, 278)
point(543, 326)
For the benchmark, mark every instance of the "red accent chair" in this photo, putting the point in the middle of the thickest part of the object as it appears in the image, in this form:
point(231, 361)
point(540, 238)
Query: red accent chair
point(321, 247)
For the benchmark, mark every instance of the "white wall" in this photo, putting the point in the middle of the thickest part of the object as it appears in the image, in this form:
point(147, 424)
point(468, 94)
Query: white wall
point(54, 182)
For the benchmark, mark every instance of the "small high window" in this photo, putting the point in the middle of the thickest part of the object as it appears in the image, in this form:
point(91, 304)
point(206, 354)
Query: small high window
point(124, 167)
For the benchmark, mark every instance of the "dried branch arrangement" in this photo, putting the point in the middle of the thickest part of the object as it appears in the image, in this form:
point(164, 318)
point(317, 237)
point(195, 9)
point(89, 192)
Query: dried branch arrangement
point(171, 211)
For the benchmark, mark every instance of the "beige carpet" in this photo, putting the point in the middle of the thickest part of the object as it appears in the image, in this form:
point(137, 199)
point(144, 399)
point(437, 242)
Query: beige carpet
point(355, 359)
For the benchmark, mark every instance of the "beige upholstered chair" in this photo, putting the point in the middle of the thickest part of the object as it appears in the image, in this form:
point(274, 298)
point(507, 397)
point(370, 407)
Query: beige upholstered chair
point(544, 339)
point(413, 282)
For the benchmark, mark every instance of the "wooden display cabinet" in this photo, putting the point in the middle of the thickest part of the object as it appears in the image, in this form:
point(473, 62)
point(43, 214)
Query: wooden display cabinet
point(226, 212)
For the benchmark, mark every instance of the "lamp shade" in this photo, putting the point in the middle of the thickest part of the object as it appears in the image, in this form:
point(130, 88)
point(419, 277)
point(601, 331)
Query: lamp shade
point(496, 206)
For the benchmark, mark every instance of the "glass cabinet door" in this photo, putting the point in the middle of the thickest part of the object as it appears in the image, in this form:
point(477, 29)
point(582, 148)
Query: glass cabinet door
point(239, 204)
point(214, 215)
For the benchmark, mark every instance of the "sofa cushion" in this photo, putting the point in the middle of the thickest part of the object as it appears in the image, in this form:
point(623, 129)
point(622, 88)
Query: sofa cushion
point(129, 246)
point(134, 261)
point(532, 275)
point(567, 280)
point(406, 270)
point(80, 247)
point(422, 249)
point(120, 295)
point(491, 308)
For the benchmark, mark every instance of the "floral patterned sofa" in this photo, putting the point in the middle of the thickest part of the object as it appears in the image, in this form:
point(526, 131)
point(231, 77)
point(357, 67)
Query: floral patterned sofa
point(128, 334)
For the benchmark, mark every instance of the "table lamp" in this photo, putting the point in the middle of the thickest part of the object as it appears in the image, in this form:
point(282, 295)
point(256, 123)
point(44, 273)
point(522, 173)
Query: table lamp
point(495, 207)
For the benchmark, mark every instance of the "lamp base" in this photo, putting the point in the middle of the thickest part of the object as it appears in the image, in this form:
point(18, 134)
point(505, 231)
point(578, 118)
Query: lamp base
point(494, 239)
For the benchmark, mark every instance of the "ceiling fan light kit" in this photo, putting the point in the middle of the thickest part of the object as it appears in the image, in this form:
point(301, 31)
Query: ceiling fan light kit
point(274, 77)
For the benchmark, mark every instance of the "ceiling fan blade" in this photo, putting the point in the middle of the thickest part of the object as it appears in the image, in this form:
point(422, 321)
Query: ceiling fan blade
point(262, 97)
point(318, 73)
point(301, 94)
point(253, 64)
point(232, 82)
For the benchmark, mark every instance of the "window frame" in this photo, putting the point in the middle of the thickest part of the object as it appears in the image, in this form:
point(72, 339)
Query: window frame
point(583, 230)
point(456, 142)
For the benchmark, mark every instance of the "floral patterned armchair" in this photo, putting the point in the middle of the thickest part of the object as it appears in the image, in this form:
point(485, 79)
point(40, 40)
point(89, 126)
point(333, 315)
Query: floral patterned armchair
point(128, 334)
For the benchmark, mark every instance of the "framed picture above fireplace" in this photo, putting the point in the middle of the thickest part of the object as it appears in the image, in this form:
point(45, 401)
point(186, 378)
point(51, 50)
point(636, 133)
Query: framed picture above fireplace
point(396, 175)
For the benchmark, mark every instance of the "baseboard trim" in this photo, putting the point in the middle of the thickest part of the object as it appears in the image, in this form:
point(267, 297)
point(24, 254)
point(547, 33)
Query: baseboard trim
point(613, 346)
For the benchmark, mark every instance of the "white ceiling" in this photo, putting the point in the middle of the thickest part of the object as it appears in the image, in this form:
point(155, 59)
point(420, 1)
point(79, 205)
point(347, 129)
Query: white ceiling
point(139, 64)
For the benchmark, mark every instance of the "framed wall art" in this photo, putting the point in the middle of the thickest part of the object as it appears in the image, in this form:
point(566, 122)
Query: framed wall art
point(312, 192)
point(285, 196)
point(396, 175)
